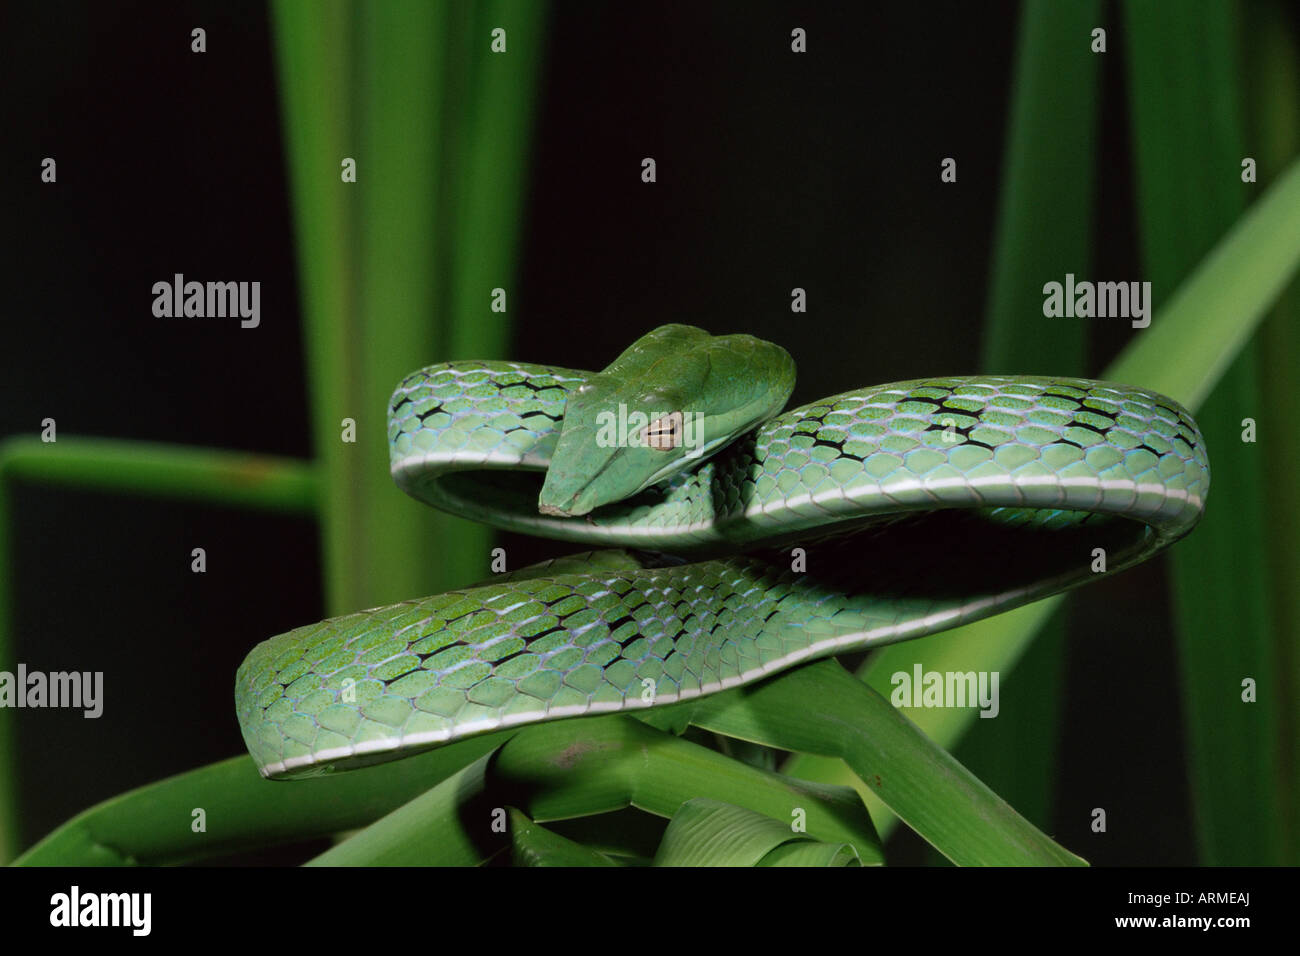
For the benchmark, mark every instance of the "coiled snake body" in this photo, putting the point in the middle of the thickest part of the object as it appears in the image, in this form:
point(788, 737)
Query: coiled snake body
point(740, 541)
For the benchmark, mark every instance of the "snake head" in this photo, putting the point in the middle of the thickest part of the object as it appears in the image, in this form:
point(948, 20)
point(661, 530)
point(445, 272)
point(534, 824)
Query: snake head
point(673, 398)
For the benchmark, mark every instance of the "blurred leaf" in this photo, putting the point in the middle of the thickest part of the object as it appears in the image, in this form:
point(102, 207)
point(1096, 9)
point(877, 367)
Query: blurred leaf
point(316, 62)
point(1275, 124)
point(1044, 231)
point(397, 268)
point(225, 478)
point(1044, 224)
point(1185, 97)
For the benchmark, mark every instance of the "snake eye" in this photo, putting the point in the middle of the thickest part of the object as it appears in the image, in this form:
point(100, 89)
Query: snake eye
point(664, 433)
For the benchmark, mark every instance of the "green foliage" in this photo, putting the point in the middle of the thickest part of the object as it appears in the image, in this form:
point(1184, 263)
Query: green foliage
point(1205, 320)
point(1187, 103)
point(154, 824)
point(590, 765)
point(438, 130)
point(708, 833)
point(395, 267)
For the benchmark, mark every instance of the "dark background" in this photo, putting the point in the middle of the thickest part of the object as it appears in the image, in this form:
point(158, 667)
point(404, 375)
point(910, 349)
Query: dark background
point(775, 171)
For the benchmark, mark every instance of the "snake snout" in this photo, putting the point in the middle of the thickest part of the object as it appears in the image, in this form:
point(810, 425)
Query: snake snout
point(565, 496)
point(559, 511)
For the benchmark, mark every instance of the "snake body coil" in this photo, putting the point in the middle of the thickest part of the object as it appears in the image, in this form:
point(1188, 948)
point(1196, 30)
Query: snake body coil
point(874, 516)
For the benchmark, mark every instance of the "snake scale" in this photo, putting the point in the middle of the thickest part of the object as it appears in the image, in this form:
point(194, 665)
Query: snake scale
point(735, 540)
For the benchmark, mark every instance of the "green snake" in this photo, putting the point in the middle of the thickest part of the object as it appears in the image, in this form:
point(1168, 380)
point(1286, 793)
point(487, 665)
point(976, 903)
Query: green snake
point(735, 540)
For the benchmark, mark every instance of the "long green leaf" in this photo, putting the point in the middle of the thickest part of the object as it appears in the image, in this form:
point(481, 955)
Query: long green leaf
point(1185, 97)
point(316, 63)
point(400, 138)
point(397, 268)
point(823, 709)
point(363, 82)
point(994, 644)
point(488, 113)
point(226, 478)
point(1044, 231)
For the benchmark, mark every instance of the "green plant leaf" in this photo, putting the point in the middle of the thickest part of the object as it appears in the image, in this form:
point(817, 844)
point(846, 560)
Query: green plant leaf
point(229, 478)
point(533, 845)
point(1182, 354)
point(1186, 105)
point(1274, 57)
point(590, 765)
point(154, 825)
point(808, 853)
point(397, 268)
point(1044, 231)
point(628, 836)
point(823, 709)
point(710, 833)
